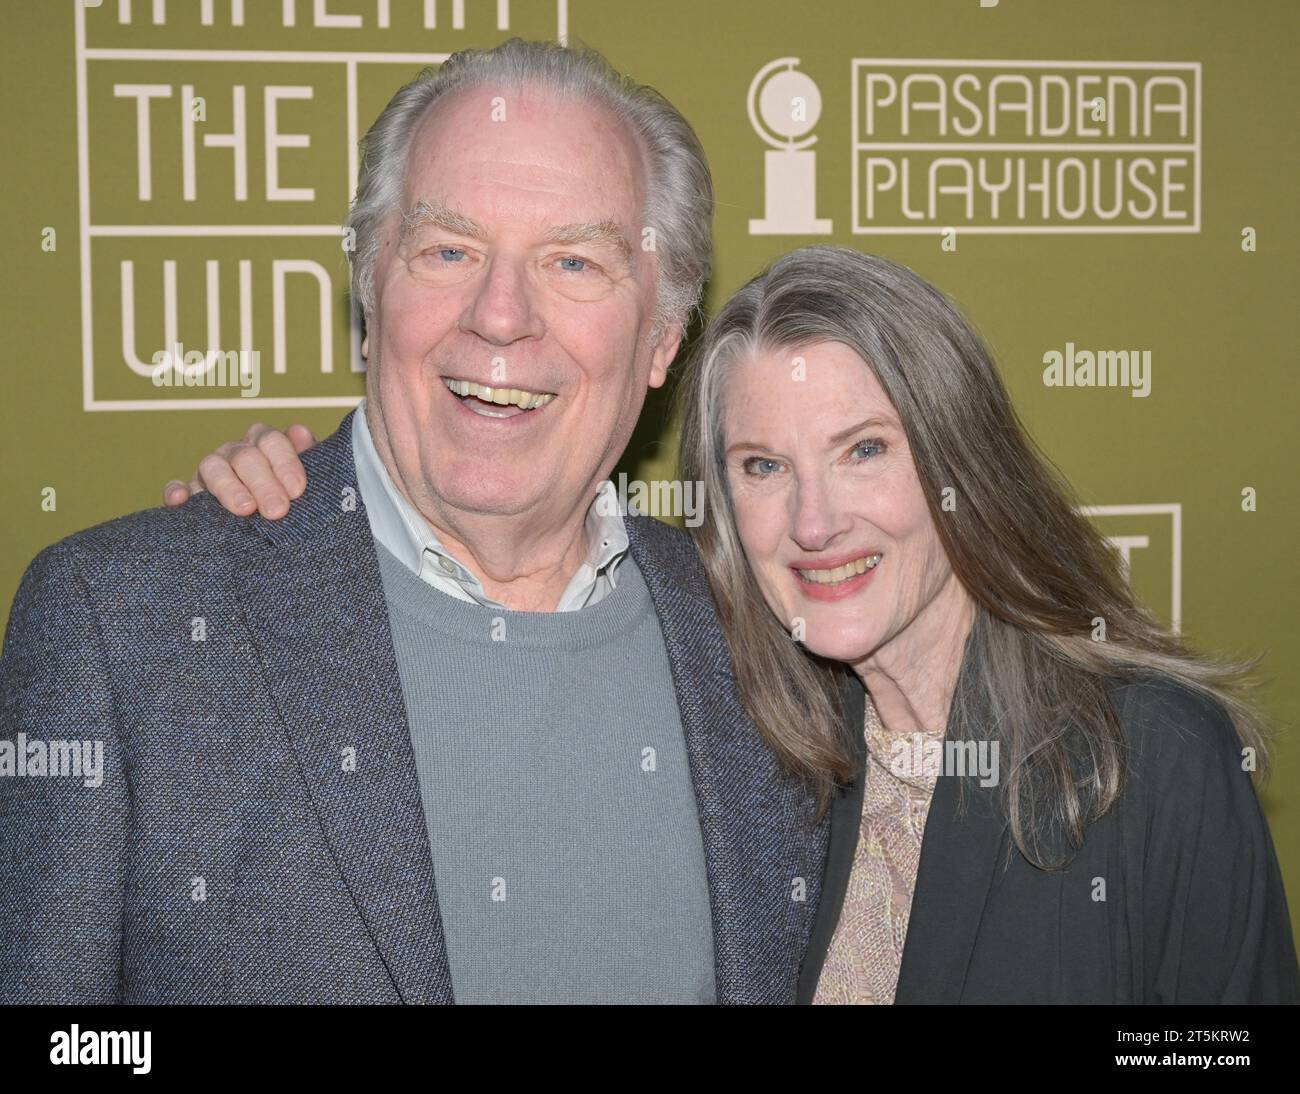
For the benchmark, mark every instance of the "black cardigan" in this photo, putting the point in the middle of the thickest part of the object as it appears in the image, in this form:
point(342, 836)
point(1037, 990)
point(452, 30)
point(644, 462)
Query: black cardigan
point(1193, 912)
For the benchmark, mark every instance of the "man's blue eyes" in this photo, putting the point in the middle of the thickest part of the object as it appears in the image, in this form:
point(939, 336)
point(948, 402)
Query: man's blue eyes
point(446, 253)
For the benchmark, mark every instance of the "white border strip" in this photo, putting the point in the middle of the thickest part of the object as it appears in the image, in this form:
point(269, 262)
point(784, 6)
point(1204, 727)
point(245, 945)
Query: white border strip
point(83, 204)
point(223, 404)
point(289, 56)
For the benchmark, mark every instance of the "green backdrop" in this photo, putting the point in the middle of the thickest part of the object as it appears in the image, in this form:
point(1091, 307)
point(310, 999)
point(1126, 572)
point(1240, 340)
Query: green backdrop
point(235, 199)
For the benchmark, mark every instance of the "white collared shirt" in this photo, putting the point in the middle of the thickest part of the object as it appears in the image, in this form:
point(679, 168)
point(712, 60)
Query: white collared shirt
point(399, 527)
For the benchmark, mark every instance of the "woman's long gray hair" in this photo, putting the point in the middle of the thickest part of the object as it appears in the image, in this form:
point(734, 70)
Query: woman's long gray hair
point(1039, 573)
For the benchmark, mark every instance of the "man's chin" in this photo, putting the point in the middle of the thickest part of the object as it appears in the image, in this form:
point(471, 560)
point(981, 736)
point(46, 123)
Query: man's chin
point(491, 491)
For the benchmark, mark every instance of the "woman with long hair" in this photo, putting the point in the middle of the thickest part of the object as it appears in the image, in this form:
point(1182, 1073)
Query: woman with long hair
point(872, 487)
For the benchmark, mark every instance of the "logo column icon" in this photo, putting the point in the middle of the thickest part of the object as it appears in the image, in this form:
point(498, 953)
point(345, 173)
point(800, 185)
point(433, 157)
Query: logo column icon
point(788, 104)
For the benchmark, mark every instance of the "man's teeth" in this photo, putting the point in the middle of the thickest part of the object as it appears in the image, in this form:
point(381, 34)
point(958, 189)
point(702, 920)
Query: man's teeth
point(502, 396)
point(842, 573)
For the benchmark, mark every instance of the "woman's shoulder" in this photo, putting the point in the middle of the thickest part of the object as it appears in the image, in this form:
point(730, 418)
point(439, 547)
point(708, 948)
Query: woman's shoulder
point(1210, 895)
point(1176, 733)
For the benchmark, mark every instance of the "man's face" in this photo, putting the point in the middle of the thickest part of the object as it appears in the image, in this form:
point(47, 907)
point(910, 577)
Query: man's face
point(521, 269)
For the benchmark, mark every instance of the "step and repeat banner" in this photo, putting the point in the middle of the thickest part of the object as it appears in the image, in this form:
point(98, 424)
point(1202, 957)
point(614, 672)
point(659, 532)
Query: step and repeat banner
point(1107, 189)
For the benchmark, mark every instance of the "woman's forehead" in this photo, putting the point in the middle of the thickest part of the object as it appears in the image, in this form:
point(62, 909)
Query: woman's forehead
point(812, 381)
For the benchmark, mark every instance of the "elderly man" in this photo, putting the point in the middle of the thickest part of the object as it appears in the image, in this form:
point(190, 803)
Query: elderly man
point(453, 729)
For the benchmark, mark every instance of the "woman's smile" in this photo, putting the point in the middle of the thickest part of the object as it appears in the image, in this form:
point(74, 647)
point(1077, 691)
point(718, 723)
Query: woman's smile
point(835, 579)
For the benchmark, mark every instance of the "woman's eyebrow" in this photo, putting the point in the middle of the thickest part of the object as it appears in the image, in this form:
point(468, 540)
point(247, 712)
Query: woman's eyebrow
point(838, 438)
point(870, 423)
point(739, 445)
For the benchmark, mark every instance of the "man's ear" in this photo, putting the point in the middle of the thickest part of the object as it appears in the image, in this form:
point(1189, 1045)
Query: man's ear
point(664, 352)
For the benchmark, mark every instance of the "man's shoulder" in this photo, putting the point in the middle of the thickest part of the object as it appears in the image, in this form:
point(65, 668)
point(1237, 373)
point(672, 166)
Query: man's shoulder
point(200, 534)
point(664, 537)
point(199, 528)
point(131, 561)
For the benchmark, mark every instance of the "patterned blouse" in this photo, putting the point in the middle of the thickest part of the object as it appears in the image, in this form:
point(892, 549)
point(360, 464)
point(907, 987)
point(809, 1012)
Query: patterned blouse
point(866, 949)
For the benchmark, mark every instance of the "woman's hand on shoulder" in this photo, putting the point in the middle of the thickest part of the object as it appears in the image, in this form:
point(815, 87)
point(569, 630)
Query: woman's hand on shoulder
point(259, 474)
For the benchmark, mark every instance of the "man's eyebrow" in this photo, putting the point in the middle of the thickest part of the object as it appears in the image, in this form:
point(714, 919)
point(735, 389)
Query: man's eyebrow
point(599, 232)
point(434, 213)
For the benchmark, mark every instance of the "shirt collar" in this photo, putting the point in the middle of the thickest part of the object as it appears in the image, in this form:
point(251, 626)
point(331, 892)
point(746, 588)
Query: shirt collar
point(400, 528)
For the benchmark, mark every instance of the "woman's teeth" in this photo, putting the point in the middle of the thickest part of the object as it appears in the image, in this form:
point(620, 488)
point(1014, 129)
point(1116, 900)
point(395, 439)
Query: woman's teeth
point(502, 396)
point(842, 573)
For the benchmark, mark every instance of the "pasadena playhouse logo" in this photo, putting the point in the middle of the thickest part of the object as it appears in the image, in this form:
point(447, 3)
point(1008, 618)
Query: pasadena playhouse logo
point(983, 146)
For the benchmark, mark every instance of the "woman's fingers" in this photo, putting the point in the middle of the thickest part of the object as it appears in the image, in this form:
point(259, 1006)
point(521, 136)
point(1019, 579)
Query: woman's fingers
point(241, 477)
point(227, 473)
point(302, 437)
point(280, 455)
point(260, 473)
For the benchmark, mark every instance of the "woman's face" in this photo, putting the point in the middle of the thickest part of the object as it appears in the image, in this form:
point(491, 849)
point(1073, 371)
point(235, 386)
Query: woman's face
point(829, 506)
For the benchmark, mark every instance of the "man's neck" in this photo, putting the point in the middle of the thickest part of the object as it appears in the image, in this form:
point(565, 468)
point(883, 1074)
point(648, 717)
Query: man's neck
point(527, 570)
point(524, 561)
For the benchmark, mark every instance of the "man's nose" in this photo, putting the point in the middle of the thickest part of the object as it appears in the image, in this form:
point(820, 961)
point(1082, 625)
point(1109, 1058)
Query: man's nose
point(503, 307)
point(816, 519)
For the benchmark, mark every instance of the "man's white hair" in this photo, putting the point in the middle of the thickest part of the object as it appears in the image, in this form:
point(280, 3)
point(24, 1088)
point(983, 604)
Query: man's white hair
point(678, 186)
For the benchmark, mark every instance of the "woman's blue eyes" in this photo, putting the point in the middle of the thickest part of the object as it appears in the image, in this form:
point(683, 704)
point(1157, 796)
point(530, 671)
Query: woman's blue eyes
point(762, 467)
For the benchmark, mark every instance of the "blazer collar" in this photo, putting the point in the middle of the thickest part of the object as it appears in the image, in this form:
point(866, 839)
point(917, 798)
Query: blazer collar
point(316, 612)
point(756, 822)
point(964, 842)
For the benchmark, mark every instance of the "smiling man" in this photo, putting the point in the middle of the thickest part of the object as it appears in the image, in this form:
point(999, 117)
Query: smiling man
point(451, 730)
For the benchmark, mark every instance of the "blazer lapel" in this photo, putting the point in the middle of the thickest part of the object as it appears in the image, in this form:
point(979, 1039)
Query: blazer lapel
point(959, 853)
point(845, 826)
point(315, 608)
point(755, 822)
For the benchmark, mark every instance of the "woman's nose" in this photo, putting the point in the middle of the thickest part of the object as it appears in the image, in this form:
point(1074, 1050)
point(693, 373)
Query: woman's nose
point(816, 519)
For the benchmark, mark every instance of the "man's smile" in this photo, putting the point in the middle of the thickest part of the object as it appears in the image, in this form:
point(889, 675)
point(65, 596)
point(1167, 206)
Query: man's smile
point(500, 403)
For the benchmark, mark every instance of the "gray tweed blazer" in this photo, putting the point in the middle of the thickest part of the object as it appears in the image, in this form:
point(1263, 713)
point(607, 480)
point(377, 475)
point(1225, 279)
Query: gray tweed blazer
point(227, 665)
